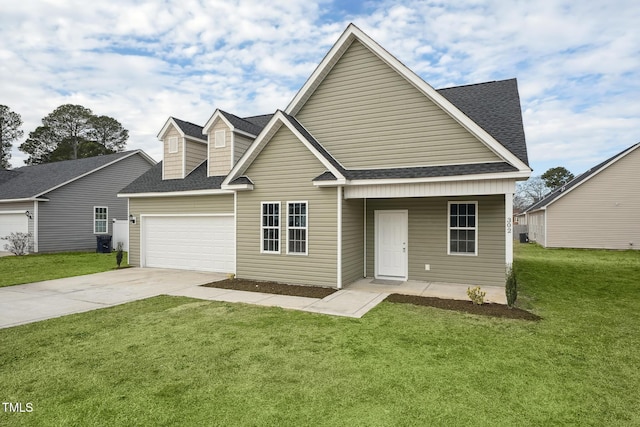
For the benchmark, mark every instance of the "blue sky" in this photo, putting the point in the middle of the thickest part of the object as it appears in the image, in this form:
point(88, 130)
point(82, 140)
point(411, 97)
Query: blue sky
point(141, 61)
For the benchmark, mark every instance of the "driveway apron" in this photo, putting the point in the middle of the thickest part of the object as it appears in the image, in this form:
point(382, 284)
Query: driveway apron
point(33, 302)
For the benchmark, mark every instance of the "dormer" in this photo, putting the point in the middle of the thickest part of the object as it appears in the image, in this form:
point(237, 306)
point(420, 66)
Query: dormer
point(228, 136)
point(184, 148)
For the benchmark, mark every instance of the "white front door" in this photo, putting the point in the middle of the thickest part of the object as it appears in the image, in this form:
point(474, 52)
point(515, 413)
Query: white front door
point(391, 244)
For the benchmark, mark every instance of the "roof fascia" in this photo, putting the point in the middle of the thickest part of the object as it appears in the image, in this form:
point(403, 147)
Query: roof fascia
point(25, 199)
point(94, 170)
point(569, 190)
point(263, 138)
point(176, 193)
point(456, 178)
point(194, 139)
point(166, 126)
point(354, 33)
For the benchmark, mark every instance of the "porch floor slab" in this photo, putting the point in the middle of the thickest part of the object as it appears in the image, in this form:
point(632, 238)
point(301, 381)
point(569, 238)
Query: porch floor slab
point(495, 294)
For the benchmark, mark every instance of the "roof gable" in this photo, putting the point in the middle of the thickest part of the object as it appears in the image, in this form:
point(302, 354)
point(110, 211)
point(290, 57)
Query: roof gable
point(37, 180)
point(562, 191)
point(352, 34)
point(278, 120)
point(237, 124)
point(184, 128)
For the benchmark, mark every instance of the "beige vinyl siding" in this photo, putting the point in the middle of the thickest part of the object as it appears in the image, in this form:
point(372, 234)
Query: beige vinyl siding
point(172, 205)
point(352, 240)
point(172, 162)
point(283, 172)
point(240, 146)
point(366, 115)
point(196, 154)
point(603, 212)
point(219, 158)
point(536, 226)
point(427, 244)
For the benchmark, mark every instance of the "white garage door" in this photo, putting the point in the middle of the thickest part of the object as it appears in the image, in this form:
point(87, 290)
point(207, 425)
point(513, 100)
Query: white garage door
point(12, 223)
point(189, 243)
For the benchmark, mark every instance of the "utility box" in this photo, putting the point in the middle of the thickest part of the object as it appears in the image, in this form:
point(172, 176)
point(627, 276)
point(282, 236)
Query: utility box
point(103, 244)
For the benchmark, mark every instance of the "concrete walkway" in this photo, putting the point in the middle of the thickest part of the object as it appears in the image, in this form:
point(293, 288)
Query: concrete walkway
point(33, 302)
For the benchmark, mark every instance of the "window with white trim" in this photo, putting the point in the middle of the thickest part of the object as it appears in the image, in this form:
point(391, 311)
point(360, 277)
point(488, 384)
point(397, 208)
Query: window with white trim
point(173, 144)
point(463, 228)
point(100, 215)
point(220, 139)
point(297, 228)
point(270, 228)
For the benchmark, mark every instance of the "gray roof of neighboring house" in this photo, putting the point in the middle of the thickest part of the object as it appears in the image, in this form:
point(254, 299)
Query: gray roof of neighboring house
point(495, 107)
point(577, 180)
point(31, 181)
point(152, 182)
point(190, 129)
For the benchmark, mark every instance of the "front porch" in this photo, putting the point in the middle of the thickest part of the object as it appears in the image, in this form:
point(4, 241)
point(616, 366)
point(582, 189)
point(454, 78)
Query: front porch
point(495, 294)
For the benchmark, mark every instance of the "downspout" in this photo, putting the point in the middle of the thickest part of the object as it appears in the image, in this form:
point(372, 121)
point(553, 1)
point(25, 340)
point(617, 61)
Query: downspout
point(35, 226)
point(339, 243)
point(364, 273)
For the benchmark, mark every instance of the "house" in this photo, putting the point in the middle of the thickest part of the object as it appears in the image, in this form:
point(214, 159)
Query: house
point(65, 205)
point(595, 210)
point(369, 171)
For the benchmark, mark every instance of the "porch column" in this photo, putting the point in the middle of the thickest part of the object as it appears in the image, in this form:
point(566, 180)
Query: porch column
point(508, 232)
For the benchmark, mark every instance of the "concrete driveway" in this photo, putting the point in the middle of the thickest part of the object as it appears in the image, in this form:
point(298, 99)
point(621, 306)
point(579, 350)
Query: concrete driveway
point(32, 302)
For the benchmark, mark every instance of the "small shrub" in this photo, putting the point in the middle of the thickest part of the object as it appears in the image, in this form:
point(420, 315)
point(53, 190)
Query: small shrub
point(511, 288)
point(19, 243)
point(119, 253)
point(476, 295)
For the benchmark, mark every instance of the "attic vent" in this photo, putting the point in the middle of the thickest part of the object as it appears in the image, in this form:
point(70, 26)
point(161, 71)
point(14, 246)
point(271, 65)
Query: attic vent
point(173, 144)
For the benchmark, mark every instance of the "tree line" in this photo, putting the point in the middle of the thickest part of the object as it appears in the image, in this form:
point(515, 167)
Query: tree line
point(537, 187)
point(67, 133)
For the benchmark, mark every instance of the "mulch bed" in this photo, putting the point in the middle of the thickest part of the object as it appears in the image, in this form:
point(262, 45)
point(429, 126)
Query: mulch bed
point(490, 309)
point(272, 288)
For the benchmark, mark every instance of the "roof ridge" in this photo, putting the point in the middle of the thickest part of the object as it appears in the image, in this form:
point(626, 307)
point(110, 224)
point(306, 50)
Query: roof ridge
point(478, 84)
point(185, 121)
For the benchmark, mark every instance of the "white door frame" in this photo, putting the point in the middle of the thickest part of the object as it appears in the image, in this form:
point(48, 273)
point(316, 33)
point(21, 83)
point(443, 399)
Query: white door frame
point(405, 239)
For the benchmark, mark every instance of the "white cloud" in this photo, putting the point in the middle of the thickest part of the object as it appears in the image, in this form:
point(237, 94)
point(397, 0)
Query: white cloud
point(140, 61)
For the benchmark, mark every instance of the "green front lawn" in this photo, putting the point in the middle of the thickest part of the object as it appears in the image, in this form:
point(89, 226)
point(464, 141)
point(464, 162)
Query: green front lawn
point(37, 267)
point(180, 361)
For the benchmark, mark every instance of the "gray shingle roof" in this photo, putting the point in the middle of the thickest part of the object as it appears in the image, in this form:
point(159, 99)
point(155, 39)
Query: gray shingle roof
point(495, 107)
point(190, 129)
point(260, 121)
point(152, 182)
point(243, 124)
point(30, 181)
point(576, 181)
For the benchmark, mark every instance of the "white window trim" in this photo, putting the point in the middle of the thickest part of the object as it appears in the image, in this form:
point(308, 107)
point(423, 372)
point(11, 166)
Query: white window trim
point(461, 202)
point(262, 228)
point(173, 144)
point(216, 144)
point(305, 228)
point(106, 220)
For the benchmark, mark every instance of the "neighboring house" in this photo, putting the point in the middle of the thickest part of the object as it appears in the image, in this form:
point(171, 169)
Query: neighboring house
point(368, 172)
point(596, 210)
point(66, 204)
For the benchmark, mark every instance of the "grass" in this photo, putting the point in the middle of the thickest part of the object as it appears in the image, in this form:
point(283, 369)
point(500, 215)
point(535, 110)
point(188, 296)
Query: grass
point(37, 267)
point(179, 361)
